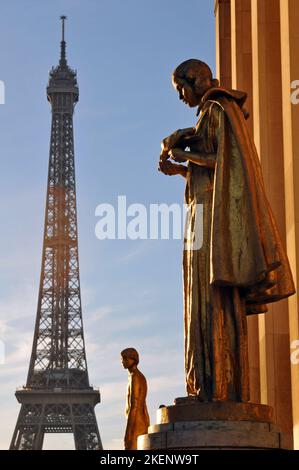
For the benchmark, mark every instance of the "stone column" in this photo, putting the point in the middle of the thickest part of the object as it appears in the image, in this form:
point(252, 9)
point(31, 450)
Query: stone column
point(289, 19)
point(223, 42)
point(268, 134)
point(256, 52)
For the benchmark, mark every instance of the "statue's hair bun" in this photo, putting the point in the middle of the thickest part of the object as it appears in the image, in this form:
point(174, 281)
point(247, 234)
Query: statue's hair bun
point(215, 82)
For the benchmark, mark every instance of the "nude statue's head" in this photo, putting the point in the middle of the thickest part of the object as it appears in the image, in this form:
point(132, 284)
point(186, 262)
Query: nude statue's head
point(129, 358)
point(192, 79)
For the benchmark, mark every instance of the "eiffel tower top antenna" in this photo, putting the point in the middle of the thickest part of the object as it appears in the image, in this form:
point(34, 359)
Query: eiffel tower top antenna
point(63, 18)
point(63, 43)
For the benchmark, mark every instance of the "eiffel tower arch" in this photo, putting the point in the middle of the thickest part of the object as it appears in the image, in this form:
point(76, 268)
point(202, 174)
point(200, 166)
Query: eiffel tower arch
point(58, 397)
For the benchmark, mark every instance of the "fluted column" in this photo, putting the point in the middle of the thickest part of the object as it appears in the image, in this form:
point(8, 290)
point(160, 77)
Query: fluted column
point(223, 42)
point(254, 39)
point(289, 18)
point(268, 134)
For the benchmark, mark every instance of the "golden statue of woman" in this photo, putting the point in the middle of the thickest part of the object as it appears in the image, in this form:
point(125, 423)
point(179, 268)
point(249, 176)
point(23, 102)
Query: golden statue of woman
point(136, 409)
point(241, 264)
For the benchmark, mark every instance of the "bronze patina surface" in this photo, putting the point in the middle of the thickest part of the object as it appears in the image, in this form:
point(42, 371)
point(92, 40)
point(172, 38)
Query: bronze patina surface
point(241, 264)
point(136, 409)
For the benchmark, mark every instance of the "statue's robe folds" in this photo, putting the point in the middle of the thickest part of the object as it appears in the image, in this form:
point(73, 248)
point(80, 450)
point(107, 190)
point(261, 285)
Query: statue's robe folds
point(241, 265)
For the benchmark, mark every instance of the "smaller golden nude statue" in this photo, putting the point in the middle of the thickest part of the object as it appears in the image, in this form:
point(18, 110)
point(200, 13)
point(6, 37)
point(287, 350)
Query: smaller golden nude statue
point(136, 409)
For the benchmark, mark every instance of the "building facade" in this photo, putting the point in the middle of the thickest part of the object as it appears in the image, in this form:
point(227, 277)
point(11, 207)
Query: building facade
point(256, 51)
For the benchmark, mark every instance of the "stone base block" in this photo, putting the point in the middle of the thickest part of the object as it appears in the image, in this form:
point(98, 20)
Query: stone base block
point(191, 424)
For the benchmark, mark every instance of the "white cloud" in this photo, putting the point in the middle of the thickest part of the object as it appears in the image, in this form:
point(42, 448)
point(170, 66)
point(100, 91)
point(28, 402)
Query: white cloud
point(108, 330)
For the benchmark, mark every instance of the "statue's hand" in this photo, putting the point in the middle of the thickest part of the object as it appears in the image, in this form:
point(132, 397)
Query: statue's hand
point(178, 155)
point(173, 140)
point(168, 168)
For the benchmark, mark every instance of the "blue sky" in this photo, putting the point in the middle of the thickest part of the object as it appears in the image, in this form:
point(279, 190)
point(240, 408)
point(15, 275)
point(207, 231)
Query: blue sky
point(124, 52)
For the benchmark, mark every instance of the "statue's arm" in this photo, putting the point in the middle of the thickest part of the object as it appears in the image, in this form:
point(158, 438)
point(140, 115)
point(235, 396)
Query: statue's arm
point(134, 404)
point(170, 169)
point(176, 139)
point(208, 160)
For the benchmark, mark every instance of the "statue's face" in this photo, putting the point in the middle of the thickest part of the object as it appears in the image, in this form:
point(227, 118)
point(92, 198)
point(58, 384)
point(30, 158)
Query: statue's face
point(127, 362)
point(192, 90)
point(185, 91)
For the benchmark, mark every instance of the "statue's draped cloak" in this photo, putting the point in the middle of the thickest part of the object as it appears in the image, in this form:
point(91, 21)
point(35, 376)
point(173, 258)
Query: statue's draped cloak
point(241, 264)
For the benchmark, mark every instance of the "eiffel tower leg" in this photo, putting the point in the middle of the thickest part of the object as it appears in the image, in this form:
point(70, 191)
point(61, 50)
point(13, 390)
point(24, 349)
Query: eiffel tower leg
point(87, 438)
point(26, 438)
point(28, 434)
point(40, 438)
point(15, 441)
point(86, 434)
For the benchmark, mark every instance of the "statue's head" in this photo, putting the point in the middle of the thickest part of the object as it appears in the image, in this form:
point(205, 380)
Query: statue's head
point(192, 79)
point(129, 358)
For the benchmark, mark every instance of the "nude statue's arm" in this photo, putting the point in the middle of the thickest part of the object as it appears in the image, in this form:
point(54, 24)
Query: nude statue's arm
point(135, 398)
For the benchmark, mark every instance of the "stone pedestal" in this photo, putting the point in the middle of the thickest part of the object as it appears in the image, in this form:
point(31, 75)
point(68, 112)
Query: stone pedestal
point(191, 424)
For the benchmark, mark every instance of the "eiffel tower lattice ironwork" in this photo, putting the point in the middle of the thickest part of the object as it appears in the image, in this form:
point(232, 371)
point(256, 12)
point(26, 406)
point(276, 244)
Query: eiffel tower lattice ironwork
point(58, 397)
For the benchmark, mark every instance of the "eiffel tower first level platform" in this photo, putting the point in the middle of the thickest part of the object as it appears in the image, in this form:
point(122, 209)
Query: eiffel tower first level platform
point(58, 397)
point(56, 411)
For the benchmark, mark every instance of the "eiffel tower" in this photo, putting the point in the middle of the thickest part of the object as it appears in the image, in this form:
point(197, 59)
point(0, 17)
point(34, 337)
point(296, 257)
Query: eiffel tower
point(58, 397)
